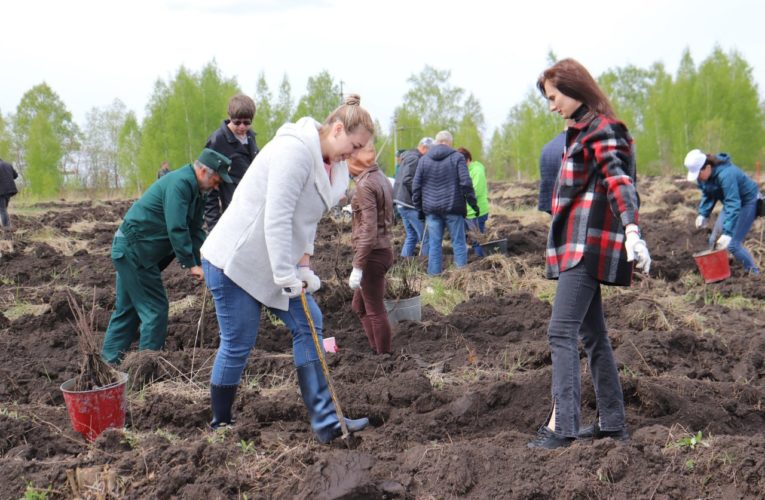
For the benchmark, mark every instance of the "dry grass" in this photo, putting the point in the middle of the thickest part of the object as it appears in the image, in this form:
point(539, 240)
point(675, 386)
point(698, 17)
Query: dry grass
point(83, 226)
point(20, 309)
point(441, 297)
point(269, 383)
point(526, 215)
point(501, 274)
point(59, 242)
point(176, 388)
point(404, 279)
point(515, 191)
point(6, 246)
point(180, 306)
point(94, 372)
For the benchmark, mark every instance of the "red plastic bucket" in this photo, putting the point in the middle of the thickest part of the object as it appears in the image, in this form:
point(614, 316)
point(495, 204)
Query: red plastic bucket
point(713, 265)
point(94, 411)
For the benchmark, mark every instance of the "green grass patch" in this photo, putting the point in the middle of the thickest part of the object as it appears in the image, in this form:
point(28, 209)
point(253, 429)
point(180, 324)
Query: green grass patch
point(442, 298)
point(736, 302)
point(23, 308)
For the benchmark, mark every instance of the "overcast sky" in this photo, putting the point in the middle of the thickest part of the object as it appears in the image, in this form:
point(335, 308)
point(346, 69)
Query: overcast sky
point(91, 52)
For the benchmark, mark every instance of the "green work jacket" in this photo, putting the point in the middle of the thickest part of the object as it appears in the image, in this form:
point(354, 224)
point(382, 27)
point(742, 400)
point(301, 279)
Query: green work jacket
point(167, 221)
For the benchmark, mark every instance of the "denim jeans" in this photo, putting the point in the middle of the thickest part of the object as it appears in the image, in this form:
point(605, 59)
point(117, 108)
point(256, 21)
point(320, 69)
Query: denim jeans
point(5, 221)
point(239, 317)
point(745, 220)
point(578, 310)
point(456, 226)
point(717, 229)
point(476, 224)
point(414, 228)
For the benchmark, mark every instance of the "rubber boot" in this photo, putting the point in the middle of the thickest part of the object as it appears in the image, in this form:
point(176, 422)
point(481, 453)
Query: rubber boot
point(222, 399)
point(318, 401)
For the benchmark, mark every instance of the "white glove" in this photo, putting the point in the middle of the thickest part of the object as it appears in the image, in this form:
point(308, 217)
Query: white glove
point(637, 250)
point(722, 242)
point(355, 280)
point(312, 281)
point(701, 221)
point(292, 288)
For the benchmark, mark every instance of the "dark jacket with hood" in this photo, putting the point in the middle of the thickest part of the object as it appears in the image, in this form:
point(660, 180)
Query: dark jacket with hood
point(442, 183)
point(241, 155)
point(7, 174)
point(402, 189)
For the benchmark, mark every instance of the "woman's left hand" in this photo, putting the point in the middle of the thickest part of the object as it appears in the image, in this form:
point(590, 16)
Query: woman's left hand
point(636, 249)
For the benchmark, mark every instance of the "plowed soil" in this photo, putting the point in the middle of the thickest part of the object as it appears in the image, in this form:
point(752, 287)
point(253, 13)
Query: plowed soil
point(451, 410)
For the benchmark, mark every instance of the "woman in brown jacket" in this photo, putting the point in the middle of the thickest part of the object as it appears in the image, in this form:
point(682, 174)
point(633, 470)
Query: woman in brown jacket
point(372, 206)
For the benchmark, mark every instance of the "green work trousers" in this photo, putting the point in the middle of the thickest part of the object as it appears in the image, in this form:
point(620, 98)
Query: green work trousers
point(141, 302)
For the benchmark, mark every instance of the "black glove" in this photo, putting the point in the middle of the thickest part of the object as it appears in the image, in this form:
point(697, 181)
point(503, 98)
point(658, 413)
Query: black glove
point(421, 215)
point(477, 212)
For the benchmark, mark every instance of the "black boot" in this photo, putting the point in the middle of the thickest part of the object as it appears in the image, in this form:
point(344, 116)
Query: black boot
point(549, 440)
point(594, 432)
point(318, 401)
point(222, 399)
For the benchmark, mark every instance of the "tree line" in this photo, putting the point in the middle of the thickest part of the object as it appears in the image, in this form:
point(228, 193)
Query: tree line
point(714, 106)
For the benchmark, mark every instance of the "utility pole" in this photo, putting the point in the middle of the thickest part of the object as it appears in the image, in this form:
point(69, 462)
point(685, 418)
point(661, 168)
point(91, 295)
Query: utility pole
point(395, 140)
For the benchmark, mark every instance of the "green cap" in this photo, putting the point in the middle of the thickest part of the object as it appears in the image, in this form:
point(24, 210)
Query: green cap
point(216, 161)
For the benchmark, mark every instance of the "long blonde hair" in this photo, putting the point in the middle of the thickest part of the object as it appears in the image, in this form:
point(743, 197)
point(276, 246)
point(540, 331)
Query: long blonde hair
point(351, 115)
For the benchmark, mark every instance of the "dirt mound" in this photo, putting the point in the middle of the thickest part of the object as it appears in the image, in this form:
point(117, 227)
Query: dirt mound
point(451, 410)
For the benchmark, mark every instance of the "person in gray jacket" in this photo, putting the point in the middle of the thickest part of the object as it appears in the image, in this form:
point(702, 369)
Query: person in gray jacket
point(402, 198)
point(258, 255)
point(7, 190)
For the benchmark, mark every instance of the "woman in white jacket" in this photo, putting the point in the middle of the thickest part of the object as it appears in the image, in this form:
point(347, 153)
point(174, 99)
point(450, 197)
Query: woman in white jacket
point(259, 254)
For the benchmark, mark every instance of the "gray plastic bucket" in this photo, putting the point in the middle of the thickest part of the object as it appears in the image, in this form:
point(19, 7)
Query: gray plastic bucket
point(401, 309)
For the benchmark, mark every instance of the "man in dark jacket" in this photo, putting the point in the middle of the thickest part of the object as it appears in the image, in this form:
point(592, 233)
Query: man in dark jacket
point(236, 141)
point(440, 190)
point(549, 165)
point(7, 190)
point(402, 198)
point(165, 223)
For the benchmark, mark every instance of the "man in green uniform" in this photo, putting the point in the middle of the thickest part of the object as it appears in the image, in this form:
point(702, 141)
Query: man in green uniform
point(165, 223)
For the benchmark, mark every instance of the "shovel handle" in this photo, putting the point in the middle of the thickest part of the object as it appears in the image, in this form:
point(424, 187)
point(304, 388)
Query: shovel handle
point(324, 367)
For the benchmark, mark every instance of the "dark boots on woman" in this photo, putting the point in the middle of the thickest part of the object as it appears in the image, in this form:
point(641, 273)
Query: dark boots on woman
point(594, 432)
point(222, 399)
point(549, 440)
point(318, 401)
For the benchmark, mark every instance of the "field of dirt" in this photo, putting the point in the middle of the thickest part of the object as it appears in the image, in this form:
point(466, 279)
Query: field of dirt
point(451, 409)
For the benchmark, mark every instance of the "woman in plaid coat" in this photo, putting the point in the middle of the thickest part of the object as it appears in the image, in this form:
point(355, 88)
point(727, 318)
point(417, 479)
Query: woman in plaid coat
point(594, 238)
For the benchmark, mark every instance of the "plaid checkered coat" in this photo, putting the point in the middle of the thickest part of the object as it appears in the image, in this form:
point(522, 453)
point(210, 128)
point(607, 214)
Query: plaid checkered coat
point(594, 199)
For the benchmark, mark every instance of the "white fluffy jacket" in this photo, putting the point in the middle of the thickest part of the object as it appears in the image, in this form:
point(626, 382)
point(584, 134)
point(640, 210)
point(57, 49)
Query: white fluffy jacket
point(271, 221)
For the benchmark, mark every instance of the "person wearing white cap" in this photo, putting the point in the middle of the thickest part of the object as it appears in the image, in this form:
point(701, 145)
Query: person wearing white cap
point(720, 180)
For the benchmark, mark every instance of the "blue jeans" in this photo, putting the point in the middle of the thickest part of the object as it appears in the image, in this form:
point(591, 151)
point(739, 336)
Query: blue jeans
point(578, 310)
point(239, 317)
point(456, 226)
point(414, 228)
point(745, 220)
point(476, 224)
point(4, 201)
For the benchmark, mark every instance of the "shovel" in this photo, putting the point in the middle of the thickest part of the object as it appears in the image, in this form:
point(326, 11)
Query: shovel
point(200, 330)
point(343, 426)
